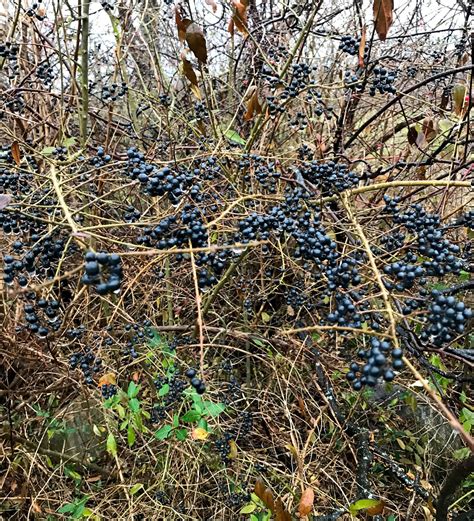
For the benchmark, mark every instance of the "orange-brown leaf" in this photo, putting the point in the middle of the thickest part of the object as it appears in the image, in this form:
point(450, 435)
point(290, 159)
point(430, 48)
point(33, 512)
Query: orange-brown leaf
point(264, 493)
point(306, 502)
point(281, 514)
point(239, 17)
point(363, 39)
point(16, 153)
point(181, 24)
point(107, 379)
point(188, 71)
point(377, 509)
point(196, 41)
point(383, 17)
point(253, 106)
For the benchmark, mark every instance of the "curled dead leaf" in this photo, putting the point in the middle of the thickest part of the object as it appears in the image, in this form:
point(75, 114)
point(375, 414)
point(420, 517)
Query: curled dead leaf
point(16, 153)
point(199, 434)
point(107, 379)
point(239, 17)
point(253, 106)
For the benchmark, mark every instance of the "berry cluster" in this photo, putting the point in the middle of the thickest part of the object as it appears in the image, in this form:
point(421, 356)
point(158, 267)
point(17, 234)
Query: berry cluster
point(265, 172)
point(376, 364)
point(383, 81)
point(88, 363)
point(196, 382)
point(42, 315)
point(113, 92)
point(176, 387)
point(331, 178)
point(447, 318)
point(103, 271)
point(108, 390)
point(349, 45)
point(300, 79)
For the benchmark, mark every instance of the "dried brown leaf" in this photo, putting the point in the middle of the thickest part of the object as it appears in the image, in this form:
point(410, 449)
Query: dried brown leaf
point(239, 17)
point(253, 106)
point(181, 24)
point(16, 153)
point(429, 129)
point(306, 502)
point(377, 509)
point(281, 514)
point(383, 17)
point(363, 39)
point(195, 39)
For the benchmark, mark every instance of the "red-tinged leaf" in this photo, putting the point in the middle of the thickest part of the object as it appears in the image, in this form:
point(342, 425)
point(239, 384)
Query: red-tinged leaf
point(383, 17)
point(196, 41)
point(5, 200)
point(239, 17)
point(253, 105)
point(213, 4)
point(181, 24)
point(16, 154)
point(376, 509)
point(363, 39)
point(306, 502)
point(429, 129)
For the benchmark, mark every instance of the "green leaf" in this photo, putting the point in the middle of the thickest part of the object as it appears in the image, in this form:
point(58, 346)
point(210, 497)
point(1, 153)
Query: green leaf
point(133, 389)
point(266, 317)
point(136, 488)
point(72, 474)
point(392, 517)
point(47, 151)
point(248, 509)
point(131, 436)
point(213, 409)
point(164, 390)
point(111, 445)
point(181, 434)
point(121, 411)
point(69, 142)
point(163, 432)
point(233, 136)
point(68, 507)
point(87, 512)
point(191, 416)
point(134, 405)
point(363, 504)
point(175, 420)
point(203, 424)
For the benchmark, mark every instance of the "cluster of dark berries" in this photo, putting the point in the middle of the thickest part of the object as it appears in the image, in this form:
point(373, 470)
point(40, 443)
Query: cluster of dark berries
point(100, 159)
point(331, 178)
point(344, 272)
point(140, 333)
point(405, 275)
point(176, 387)
point(232, 391)
point(352, 81)
point(42, 315)
point(88, 363)
point(162, 498)
point(300, 79)
point(108, 390)
point(431, 243)
point(236, 500)
point(296, 297)
point(196, 382)
point(106, 5)
point(376, 364)
point(383, 81)
point(274, 107)
point(158, 182)
point(164, 100)
point(45, 72)
point(223, 447)
point(447, 318)
point(345, 313)
point(131, 214)
point(103, 271)
point(349, 45)
point(299, 121)
point(393, 241)
point(265, 171)
point(113, 92)
point(200, 111)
